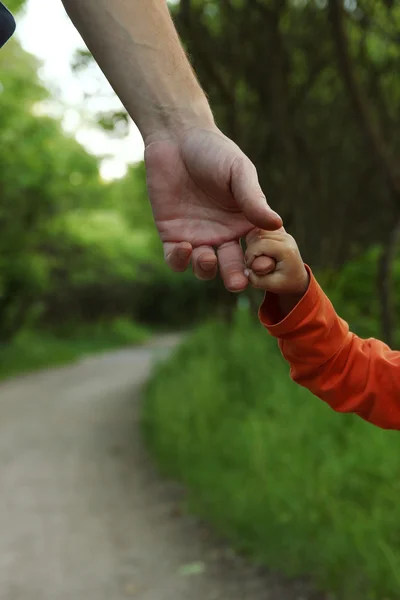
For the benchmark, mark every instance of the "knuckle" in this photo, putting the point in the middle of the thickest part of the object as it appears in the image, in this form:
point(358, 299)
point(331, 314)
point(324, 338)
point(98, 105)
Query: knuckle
point(291, 249)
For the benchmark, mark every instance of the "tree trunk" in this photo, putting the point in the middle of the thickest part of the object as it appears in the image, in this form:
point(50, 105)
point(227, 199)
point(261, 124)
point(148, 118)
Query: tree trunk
point(362, 107)
point(385, 286)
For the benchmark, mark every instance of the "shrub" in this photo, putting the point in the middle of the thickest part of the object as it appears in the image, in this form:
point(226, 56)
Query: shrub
point(304, 490)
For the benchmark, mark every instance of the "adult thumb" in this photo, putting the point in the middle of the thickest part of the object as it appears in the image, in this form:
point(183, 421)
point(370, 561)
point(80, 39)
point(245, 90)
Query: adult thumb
point(249, 196)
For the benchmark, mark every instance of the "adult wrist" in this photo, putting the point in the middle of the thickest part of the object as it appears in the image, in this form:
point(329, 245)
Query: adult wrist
point(173, 121)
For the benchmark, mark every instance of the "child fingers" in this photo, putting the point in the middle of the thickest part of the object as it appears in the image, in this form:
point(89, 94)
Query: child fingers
point(257, 234)
point(256, 281)
point(253, 235)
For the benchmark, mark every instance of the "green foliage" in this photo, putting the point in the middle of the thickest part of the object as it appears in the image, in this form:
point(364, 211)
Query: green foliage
point(43, 174)
point(353, 291)
point(95, 244)
point(31, 350)
point(73, 248)
point(15, 5)
point(305, 491)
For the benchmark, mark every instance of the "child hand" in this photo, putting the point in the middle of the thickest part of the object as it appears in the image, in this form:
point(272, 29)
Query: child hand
point(288, 276)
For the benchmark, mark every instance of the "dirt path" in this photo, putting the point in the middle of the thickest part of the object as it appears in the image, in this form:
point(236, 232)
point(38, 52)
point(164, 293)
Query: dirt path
point(83, 515)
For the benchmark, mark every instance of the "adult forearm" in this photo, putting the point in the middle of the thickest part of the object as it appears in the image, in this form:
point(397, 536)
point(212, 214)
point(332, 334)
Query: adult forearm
point(136, 46)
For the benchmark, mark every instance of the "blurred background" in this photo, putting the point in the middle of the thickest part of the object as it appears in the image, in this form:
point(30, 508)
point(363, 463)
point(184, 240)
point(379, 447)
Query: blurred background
point(310, 90)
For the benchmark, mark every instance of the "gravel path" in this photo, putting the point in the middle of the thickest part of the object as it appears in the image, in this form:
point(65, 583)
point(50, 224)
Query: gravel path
point(83, 514)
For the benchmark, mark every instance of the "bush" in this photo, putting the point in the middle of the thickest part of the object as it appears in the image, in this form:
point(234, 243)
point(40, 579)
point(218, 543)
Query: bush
point(36, 350)
point(304, 490)
point(353, 291)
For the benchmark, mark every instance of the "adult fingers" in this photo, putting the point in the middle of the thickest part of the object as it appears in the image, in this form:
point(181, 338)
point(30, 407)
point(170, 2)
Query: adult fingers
point(273, 249)
point(231, 266)
point(262, 265)
point(204, 262)
point(178, 255)
point(249, 195)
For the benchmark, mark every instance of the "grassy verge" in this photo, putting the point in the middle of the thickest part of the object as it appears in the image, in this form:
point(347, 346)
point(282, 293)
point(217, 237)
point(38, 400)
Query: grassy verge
point(35, 350)
point(303, 490)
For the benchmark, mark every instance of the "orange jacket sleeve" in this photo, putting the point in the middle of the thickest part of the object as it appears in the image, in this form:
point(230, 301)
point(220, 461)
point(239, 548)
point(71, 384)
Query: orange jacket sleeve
point(350, 374)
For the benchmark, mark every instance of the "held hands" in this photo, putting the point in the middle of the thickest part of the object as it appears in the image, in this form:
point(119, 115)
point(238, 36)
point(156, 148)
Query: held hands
point(274, 264)
point(205, 196)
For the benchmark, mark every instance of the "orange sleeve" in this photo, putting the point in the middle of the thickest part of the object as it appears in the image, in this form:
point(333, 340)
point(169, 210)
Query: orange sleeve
point(350, 374)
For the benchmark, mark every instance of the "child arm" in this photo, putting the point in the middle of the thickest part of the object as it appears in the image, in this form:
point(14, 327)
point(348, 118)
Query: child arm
point(350, 374)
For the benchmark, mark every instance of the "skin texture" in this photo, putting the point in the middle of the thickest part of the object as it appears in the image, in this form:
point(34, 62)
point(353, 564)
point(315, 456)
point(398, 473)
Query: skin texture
point(203, 190)
point(275, 265)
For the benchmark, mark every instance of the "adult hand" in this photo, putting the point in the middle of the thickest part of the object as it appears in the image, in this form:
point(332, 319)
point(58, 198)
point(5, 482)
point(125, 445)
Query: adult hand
point(205, 196)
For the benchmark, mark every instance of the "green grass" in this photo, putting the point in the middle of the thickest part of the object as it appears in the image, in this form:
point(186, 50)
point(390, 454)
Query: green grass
point(303, 490)
point(30, 351)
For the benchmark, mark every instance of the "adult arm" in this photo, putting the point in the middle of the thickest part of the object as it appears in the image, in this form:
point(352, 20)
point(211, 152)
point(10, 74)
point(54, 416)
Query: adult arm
point(136, 46)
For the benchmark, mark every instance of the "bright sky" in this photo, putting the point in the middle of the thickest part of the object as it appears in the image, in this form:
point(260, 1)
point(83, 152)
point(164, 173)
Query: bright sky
point(55, 46)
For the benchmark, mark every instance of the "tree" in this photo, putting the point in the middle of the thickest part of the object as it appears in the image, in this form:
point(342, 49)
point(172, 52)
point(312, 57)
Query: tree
point(375, 119)
point(72, 247)
point(42, 174)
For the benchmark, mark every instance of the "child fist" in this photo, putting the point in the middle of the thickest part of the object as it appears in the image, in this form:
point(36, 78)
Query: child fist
point(274, 263)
